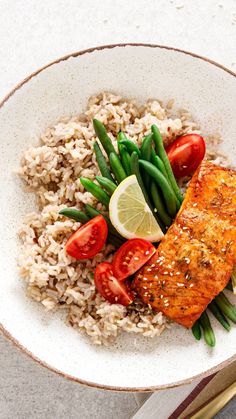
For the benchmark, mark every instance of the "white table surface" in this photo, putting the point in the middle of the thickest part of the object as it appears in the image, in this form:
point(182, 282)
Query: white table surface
point(33, 33)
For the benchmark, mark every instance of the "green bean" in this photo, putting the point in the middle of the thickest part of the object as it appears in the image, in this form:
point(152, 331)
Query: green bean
point(117, 167)
point(160, 150)
point(219, 316)
point(153, 155)
point(102, 164)
point(125, 158)
point(135, 171)
point(107, 184)
point(209, 335)
point(130, 145)
point(134, 162)
point(103, 137)
point(122, 137)
point(115, 163)
point(92, 212)
point(157, 200)
point(75, 214)
point(115, 240)
point(120, 146)
point(196, 329)
point(145, 150)
point(229, 286)
point(156, 161)
point(168, 194)
point(95, 190)
point(226, 307)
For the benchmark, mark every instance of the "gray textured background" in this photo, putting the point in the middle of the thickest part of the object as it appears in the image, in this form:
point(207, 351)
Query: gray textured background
point(32, 33)
point(28, 390)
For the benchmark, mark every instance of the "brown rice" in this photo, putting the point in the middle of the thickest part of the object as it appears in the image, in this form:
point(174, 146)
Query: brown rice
point(51, 171)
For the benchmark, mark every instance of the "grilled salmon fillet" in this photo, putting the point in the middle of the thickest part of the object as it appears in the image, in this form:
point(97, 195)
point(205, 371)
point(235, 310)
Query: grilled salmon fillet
point(195, 259)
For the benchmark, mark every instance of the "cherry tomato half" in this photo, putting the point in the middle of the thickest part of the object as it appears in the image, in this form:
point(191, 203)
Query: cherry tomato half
point(131, 256)
point(109, 287)
point(185, 154)
point(88, 240)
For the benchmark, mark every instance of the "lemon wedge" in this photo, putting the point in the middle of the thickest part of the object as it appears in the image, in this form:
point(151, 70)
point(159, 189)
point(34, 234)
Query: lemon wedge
point(130, 214)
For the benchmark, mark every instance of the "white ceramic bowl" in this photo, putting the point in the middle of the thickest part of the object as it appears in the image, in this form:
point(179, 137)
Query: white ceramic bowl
point(61, 88)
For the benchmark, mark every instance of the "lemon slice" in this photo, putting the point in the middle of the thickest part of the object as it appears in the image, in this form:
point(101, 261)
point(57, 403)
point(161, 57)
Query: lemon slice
point(233, 279)
point(130, 214)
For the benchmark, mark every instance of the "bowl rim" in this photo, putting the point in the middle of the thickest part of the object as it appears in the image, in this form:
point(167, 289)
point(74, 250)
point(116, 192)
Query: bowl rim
point(8, 335)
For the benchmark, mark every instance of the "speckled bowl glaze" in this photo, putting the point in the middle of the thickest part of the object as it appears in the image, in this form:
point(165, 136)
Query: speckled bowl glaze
point(62, 88)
